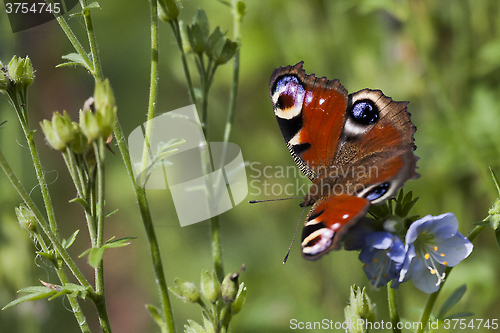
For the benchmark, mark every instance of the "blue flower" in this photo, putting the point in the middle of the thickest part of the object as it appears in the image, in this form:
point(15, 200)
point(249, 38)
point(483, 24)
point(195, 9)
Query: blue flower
point(431, 244)
point(383, 254)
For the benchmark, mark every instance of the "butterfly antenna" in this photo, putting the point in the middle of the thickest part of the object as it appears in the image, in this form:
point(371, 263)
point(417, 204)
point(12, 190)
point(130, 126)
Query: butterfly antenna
point(280, 199)
point(294, 234)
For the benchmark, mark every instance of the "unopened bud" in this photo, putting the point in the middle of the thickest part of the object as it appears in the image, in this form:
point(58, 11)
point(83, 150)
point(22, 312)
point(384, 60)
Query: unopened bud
point(185, 291)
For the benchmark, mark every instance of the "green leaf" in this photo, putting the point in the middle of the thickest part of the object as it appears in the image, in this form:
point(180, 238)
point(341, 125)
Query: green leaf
point(451, 301)
point(80, 201)
point(459, 315)
point(94, 4)
point(74, 290)
point(34, 289)
point(49, 255)
point(118, 243)
point(155, 313)
point(95, 256)
point(71, 239)
point(482, 223)
point(84, 253)
point(495, 180)
point(32, 297)
point(74, 59)
point(111, 213)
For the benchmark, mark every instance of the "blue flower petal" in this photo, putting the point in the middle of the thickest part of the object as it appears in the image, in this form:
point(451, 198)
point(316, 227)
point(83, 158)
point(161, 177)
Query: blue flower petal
point(431, 244)
point(452, 251)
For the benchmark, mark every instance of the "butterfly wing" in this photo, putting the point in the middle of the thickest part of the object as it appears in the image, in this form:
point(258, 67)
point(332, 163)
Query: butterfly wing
point(329, 218)
point(377, 145)
point(310, 113)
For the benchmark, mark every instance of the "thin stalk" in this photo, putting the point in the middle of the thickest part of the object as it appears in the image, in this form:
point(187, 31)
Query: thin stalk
point(44, 224)
point(75, 306)
point(177, 34)
point(99, 151)
point(93, 43)
point(21, 109)
point(148, 226)
point(153, 84)
point(433, 297)
point(72, 37)
point(77, 178)
point(393, 309)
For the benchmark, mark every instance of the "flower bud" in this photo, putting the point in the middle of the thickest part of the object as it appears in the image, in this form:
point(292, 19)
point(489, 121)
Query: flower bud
point(59, 131)
point(89, 125)
point(4, 79)
point(211, 47)
point(103, 95)
point(12, 67)
point(240, 299)
point(194, 327)
point(104, 104)
point(494, 215)
point(208, 324)
point(80, 142)
point(26, 218)
point(195, 37)
point(185, 291)
point(201, 19)
point(28, 75)
point(360, 308)
point(229, 288)
point(21, 71)
point(170, 9)
point(227, 52)
point(210, 286)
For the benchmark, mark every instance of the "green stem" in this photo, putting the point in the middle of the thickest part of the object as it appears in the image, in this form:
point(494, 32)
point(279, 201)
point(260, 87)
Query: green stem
point(44, 224)
point(393, 309)
point(21, 109)
point(72, 37)
point(433, 297)
point(148, 226)
point(97, 72)
point(77, 178)
point(177, 34)
point(73, 301)
point(153, 84)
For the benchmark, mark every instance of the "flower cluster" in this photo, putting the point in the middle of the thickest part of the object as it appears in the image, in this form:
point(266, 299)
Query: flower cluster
point(62, 133)
point(430, 244)
point(223, 300)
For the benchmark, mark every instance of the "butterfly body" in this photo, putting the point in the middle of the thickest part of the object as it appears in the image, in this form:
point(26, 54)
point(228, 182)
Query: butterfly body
point(357, 149)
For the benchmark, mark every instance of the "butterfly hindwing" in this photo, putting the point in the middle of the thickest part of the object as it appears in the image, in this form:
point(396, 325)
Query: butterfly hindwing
point(329, 218)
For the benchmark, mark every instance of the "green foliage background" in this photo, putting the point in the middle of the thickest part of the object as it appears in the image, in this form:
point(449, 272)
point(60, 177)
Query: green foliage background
point(442, 56)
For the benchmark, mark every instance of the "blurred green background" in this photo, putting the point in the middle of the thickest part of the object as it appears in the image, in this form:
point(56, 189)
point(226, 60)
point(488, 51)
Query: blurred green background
point(442, 56)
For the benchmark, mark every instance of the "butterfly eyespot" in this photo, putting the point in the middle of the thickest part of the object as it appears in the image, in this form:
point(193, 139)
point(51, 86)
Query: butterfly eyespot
point(364, 112)
point(288, 95)
point(285, 101)
point(377, 192)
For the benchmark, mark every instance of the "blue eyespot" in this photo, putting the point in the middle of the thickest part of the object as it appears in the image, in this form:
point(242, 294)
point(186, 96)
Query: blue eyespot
point(377, 192)
point(364, 112)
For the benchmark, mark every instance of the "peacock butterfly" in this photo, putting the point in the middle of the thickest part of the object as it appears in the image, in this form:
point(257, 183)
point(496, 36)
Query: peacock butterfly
point(357, 149)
